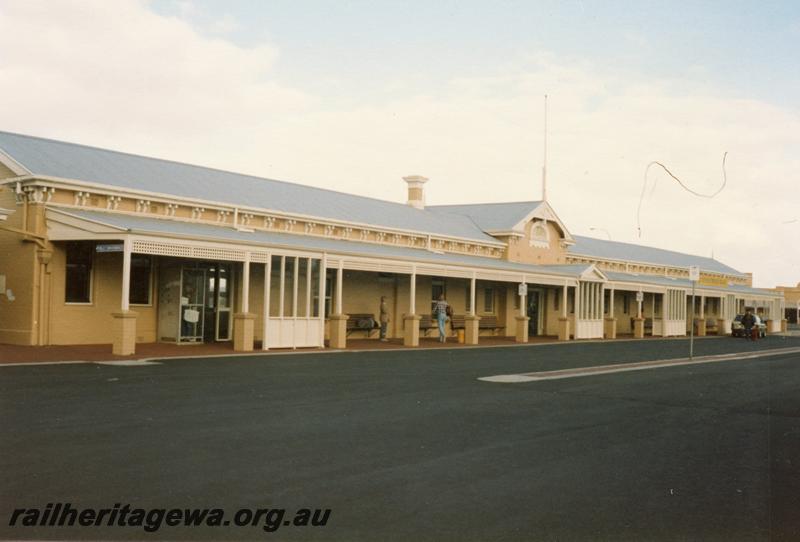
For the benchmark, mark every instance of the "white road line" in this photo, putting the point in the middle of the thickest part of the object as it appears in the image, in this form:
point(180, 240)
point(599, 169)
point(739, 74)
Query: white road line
point(637, 366)
point(129, 362)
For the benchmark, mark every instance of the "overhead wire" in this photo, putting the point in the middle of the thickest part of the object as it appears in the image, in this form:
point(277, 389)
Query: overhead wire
point(681, 183)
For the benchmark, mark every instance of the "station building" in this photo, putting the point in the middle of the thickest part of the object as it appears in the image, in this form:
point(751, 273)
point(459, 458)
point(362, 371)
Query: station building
point(99, 246)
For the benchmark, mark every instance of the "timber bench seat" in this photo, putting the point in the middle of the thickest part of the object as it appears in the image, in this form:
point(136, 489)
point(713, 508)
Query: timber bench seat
point(490, 323)
point(486, 322)
point(361, 322)
point(426, 323)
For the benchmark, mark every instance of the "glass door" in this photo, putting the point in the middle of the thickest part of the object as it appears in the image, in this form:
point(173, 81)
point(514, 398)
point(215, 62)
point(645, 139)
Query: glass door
point(533, 312)
point(192, 304)
point(224, 289)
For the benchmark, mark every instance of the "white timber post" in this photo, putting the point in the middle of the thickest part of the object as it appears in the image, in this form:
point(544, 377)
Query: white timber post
point(321, 301)
point(412, 303)
point(564, 299)
point(472, 282)
point(282, 288)
point(246, 283)
point(265, 312)
point(295, 280)
point(339, 283)
point(126, 274)
point(308, 288)
point(639, 303)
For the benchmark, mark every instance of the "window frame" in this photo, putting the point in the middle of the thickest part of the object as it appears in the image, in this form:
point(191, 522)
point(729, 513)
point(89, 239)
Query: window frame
point(151, 272)
point(488, 295)
point(437, 281)
point(90, 302)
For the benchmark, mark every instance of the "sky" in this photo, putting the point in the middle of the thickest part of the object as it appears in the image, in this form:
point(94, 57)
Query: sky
point(354, 95)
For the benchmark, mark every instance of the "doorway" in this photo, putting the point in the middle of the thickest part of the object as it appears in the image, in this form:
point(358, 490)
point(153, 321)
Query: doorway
point(533, 308)
point(195, 301)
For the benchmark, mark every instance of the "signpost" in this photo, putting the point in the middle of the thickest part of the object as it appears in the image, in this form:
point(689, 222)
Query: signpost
point(694, 276)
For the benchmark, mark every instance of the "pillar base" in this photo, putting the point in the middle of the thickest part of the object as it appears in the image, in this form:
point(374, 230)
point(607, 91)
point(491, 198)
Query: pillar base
point(411, 329)
point(638, 328)
point(243, 325)
point(701, 327)
point(784, 325)
point(522, 329)
point(124, 333)
point(563, 329)
point(610, 331)
point(471, 329)
point(723, 326)
point(338, 330)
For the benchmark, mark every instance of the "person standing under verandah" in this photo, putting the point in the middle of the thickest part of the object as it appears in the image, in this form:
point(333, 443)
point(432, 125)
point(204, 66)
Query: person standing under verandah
point(441, 311)
point(384, 318)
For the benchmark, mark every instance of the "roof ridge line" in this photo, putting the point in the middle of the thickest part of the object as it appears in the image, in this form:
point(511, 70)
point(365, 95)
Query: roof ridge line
point(210, 168)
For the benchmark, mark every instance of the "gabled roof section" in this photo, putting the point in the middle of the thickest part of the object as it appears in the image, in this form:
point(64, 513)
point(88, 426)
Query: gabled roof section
point(505, 218)
point(70, 223)
point(69, 161)
point(491, 217)
point(614, 250)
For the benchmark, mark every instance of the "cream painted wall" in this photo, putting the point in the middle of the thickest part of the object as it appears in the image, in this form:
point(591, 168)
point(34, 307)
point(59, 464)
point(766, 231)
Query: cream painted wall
point(520, 249)
point(91, 323)
point(18, 264)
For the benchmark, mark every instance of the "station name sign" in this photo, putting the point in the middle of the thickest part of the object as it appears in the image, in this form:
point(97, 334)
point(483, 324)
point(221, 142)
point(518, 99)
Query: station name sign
point(109, 247)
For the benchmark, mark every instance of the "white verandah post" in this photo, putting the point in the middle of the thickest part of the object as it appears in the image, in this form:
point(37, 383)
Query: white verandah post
point(339, 283)
point(126, 275)
point(321, 301)
point(246, 283)
point(265, 311)
point(124, 330)
point(472, 282)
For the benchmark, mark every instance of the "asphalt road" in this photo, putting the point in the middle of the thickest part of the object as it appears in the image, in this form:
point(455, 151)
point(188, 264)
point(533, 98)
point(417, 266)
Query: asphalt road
point(410, 445)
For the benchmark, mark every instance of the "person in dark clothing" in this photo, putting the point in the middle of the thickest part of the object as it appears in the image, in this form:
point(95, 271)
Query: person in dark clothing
point(748, 321)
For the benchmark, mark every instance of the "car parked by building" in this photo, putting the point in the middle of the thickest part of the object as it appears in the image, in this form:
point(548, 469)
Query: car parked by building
point(737, 329)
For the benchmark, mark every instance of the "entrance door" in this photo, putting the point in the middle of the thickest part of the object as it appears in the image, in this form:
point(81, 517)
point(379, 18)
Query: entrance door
point(218, 302)
point(206, 303)
point(533, 312)
point(192, 302)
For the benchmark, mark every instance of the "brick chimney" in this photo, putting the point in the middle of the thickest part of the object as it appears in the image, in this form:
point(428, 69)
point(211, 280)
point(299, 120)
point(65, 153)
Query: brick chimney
point(416, 190)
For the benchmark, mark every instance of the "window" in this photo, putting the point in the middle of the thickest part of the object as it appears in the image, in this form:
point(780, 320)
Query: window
point(468, 297)
point(438, 287)
point(488, 300)
point(556, 299)
point(571, 299)
point(79, 273)
point(539, 236)
point(328, 293)
point(606, 301)
point(141, 269)
point(626, 303)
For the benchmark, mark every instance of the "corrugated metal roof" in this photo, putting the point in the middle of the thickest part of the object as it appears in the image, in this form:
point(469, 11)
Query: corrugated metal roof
point(306, 242)
point(190, 230)
point(48, 157)
point(681, 283)
point(614, 250)
point(491, 216)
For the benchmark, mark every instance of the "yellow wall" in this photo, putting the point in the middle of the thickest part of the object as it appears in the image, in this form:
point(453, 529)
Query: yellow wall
point(6, 173)
point(90, 324)
point(520, 249)
point(18, 264)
